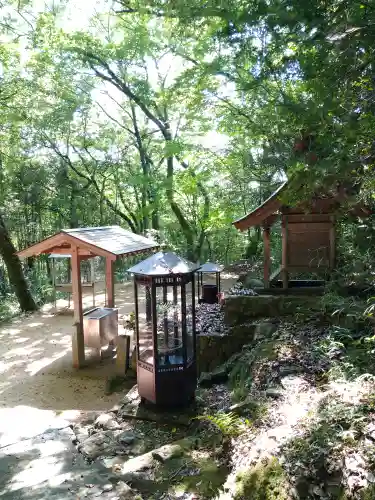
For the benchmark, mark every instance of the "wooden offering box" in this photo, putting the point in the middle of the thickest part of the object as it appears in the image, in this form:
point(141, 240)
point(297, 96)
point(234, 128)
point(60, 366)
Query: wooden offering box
point(100, 327)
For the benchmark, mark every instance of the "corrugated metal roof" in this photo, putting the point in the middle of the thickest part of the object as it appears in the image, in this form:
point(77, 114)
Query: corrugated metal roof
point(163, 263)
point(210, 267)
point(113, 239)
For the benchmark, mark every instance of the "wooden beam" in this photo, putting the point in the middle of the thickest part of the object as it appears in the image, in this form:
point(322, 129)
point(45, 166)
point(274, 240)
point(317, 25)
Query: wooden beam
point(267, 255)
point(308, 227)
point(284, 257)
point(67, 250)
point(109, 282)
point(78, 348)
point(44, 246)
point(308, 218)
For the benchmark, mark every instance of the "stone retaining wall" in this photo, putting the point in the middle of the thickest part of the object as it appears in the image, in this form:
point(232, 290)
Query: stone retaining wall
point(240, 309)
point(214, 350)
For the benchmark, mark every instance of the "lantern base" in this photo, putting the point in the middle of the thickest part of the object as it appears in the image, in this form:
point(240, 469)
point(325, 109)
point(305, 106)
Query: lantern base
point(171, 387)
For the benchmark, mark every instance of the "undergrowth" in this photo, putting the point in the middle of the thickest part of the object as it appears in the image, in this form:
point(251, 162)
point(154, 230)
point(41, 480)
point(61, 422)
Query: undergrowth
point(266, 481)
point(229, 424)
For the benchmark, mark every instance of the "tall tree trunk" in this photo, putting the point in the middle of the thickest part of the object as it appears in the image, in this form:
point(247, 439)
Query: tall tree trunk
point(14, 268)
point(145, 169)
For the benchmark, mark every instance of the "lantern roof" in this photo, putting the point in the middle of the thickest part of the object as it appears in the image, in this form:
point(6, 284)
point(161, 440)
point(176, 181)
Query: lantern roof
point(162, 264)
point(210, 267)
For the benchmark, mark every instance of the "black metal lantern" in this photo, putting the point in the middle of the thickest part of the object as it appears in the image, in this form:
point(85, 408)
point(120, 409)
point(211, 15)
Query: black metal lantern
point(206, 292)
point(166, 341)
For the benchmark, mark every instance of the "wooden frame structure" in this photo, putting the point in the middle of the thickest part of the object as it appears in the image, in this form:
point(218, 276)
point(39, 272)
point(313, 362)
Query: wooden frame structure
point(67, 287)
point(307, 230)
point(110, 242)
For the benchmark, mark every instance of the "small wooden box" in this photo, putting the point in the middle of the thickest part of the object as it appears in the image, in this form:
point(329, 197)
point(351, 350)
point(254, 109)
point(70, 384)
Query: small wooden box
point(100, 326)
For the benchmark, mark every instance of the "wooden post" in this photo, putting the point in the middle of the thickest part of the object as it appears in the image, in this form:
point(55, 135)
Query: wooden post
point(284, 258)
point(267, 256)
point(92, 279)
point(109, 282)
point(53, 273)
point(122, 354)
point(78, 347)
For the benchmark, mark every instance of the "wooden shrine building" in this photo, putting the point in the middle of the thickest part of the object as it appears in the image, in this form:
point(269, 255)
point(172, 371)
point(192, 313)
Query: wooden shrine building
point(308, 232)
point(111, 243)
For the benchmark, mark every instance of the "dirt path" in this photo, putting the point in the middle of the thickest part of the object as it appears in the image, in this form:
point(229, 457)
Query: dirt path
point(36, 363)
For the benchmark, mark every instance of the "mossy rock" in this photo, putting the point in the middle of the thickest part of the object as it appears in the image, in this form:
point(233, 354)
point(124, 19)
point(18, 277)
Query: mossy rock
point(207, 482)
point(265, 481)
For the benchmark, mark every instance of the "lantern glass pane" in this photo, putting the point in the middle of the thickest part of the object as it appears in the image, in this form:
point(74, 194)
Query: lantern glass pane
point(168, 308)
point(145, 331)
point(190, 297)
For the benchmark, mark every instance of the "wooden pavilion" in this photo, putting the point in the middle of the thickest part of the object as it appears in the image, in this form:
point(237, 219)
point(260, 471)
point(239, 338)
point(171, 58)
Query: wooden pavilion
point(308, 232)
point(111, 242)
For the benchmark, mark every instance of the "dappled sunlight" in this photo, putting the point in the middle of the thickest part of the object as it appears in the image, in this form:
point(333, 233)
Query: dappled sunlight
point(22, 351)
point(10, 331)
point(36, 359)
point(36, 452)
point(38, 365)
point(21, 340)
point(23, 422)
point(38, 471)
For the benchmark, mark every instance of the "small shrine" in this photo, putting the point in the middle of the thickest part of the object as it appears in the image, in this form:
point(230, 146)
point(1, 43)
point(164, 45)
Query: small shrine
point(307, 230)
point(98, 327)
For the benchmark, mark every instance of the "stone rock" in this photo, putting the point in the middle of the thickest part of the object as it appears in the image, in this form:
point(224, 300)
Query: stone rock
point(214, 350)
point(286, 370)
point(107, 422)
point(356, 482)
point(134, 466)
point(167, 452)
point(274, 392)
point(81, 433)
point(251, 282)
point(124, 490)
point(219, 376)
point(265, 329)
point(126, 437)
point(370, 431)
point(354, 462)
point(100, 444)
point(246, 406)
point(113, 462)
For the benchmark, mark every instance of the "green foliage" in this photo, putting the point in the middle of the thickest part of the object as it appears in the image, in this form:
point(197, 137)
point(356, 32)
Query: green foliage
point(180, 118)
point(229, 424)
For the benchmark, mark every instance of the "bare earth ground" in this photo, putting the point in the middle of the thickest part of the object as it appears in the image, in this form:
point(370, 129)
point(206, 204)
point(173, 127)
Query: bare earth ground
point(36, 363)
